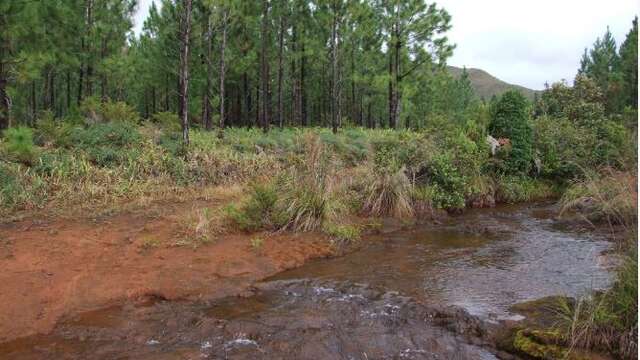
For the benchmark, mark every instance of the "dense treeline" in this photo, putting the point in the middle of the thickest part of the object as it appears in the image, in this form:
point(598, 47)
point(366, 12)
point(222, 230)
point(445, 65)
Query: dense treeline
point(237, 63)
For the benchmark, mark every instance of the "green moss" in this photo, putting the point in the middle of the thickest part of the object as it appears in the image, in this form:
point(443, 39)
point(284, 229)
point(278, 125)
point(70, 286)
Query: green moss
point(539, 344)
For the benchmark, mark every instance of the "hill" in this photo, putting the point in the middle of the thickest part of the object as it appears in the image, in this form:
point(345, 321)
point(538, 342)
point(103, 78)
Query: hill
point(487, 85)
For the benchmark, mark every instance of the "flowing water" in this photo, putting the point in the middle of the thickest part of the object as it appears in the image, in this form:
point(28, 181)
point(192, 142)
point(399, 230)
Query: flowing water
point(484, 261)
point(406, 295)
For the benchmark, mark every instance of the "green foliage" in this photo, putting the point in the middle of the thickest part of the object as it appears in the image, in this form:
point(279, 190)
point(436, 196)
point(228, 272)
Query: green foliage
point(449, 185)
point(106, 144)
point(50, 131)
point(167, 121)
point(511, 120)
point(514, 189)
point(563, 148)
point(259, 211)
point(96, 111)
point(18, 142)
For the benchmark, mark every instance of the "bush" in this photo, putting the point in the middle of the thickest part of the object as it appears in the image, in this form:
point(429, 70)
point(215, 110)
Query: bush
point(511, 120)
point(168, 121)
point(48, 131)
point(514, 189)
point(259, 211)
point(449, 185)
point(563, 148)
point(106, 144)
point(19, 144)
point(95, 111)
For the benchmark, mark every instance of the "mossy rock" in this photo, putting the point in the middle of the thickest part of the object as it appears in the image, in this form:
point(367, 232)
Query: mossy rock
point(539, 344)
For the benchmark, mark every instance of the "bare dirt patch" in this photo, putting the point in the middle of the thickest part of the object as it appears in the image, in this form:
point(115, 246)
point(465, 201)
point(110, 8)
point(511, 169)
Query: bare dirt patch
point(56, 267)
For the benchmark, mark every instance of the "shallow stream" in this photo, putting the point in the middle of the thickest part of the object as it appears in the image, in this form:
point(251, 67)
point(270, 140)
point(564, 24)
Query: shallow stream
point(418, 293)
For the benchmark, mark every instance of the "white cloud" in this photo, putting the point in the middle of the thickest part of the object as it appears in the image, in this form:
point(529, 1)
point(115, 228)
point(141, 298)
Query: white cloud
point(521, 42)
point(531, 42)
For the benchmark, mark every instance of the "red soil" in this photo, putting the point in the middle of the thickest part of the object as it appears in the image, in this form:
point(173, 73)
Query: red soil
point(54, 268)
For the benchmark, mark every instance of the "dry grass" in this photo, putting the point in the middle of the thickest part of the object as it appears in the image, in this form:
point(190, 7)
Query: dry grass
point(609, 197)
point(388, 194)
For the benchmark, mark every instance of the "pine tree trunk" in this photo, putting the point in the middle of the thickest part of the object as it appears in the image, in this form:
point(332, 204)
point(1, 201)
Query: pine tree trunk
point(334, 72)
point(68, 90)
point(80, 81)
point(34, 106)
point(223, 46)
point(303, 94)
point(247, 99)
point(153, 100)
point(4, 99)
point(89, 72)
point(206, 103)
point(391, 106)
point(184, 71)
point(103, 77)
point(297, 118)
point(266, 101)
point(396, 88)
point(280, 72)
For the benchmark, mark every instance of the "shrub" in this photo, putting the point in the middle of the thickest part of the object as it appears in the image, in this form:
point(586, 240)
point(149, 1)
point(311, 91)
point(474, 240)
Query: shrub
point(511, 120)
point(259, 211)
point(562, 148)
point(513, 189)
point(168, 121)
point(19, 144)
point(449, 185)
point(106, 144)
point(95, 111)
point(48, 131)
point(119, 111)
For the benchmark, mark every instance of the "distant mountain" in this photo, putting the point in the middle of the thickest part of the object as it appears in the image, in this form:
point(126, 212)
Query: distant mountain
point(487, 85)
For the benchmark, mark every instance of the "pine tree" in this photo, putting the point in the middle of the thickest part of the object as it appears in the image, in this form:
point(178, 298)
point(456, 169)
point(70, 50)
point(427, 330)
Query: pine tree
point(510, 119)
point(629, 66)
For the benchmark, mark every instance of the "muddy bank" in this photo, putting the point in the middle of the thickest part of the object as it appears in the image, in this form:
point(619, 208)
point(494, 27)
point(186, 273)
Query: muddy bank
point(53, 268)
point(282, 320)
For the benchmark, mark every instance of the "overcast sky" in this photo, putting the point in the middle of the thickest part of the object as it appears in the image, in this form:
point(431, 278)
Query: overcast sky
point(523, 42)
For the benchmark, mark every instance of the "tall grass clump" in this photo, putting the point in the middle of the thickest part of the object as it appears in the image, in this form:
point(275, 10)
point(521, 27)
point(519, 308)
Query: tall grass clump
point(606, 321)
point(388, 190)
point(610, 197)
point(308, 188)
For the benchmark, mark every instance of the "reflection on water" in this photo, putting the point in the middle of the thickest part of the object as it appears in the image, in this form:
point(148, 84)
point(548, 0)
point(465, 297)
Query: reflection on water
point(484, 261)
